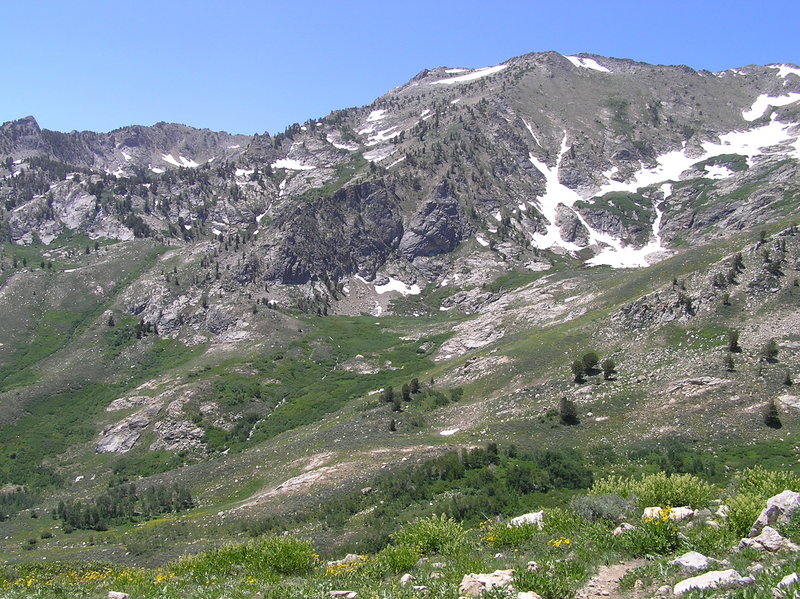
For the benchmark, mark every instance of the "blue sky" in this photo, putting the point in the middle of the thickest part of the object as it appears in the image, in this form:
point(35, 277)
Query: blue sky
point(250, 67)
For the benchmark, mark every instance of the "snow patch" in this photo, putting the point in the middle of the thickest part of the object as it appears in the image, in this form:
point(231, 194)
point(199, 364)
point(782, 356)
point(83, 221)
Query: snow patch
point(628, 257)
point(184, 162)
point(481, 240)
point(424, 113)
point(476, 74)
point(384, 135)
point(764, 101)
point(455, 101)
point(259, 218)
point(399, 286)
point(750, 143)
point(449, 432)
point(396, 162)
point(379, 153)
point(587, 63)
point(188, 163)
point(292, 165)
point(376, 115)
point(785, 69)
point(454, 71)
point(169, 158)
point(614, 253)
point(533, 135)
point(555, 194)
point(241, 172)
point(341, 146)
point(718, 171)
point(234, 147)
point(157, 170)
point(126, 156)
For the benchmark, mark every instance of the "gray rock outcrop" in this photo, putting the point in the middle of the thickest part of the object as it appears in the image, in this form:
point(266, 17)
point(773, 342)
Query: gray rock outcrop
point(718, 579)
point(768, 540)
point(780, 509)
point(691, 561)
point(473, 585)
point(437, 228)
point(122, 436)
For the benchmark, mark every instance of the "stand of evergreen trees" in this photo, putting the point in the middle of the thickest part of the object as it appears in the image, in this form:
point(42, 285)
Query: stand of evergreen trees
point(122, 504)
point(13, 500)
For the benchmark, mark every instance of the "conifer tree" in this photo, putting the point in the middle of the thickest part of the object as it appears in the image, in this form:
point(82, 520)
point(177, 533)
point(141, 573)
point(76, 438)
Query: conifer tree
point(771, 417)
point(609, 367)
point(577, 371)
point(770, 351)
point(733, 341)
point(568, 412)
point(727, 361)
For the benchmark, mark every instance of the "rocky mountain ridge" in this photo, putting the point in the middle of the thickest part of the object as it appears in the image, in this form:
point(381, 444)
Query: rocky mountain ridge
point(639, 160)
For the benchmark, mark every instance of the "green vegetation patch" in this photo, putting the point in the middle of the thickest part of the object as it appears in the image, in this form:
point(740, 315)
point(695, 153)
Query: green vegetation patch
point(65, 419)
point(344, 172)
point(628, 205)
point(56, 328)
point(135, 465)
point(734, 162)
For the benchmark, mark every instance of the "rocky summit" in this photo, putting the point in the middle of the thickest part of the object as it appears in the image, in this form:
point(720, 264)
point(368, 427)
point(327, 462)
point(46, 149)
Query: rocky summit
point(484, 292)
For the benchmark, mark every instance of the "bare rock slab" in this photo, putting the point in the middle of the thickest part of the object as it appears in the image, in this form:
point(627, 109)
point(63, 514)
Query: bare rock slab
point(717, 579)
point(472, 585)
point(769, 540)
point(691, 562)
point(780, 509)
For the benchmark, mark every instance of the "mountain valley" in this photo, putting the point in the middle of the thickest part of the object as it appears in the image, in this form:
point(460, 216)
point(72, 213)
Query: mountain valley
point(589, 263)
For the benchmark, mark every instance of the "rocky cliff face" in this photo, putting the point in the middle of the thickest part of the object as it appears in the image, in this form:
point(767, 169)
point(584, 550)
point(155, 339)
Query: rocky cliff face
point(354, 231)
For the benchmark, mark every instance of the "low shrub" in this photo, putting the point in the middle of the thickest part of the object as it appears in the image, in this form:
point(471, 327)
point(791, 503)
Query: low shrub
point(262, 558)
point(601, 507)
point(398, 558)
point(653, 537)
point(766, 483)
point(791, 529)
point(658, 489)
point(553, 580)
point(430, 535)
point(499, 534)
point(562, 522)
point(708, 540)
point(743, 510)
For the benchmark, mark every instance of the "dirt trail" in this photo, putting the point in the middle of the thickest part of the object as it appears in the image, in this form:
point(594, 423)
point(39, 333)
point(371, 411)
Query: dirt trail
point(606, 582)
